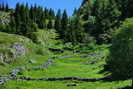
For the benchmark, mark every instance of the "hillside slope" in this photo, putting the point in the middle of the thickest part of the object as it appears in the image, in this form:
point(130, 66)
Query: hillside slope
point(18, 50)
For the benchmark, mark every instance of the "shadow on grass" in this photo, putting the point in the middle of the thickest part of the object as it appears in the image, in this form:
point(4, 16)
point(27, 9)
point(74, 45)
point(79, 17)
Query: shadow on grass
point(112, 77)
point(127, 87)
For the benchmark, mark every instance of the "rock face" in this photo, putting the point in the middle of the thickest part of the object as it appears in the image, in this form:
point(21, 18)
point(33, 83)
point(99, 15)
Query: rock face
point(1, 58)
point(2, 80)
point(7, 54)
point(19, 49)
point(4, 18)
point(4, 21)
point(49, 62)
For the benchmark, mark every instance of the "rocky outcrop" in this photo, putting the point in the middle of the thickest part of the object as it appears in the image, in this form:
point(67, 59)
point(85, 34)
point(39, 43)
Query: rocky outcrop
point(3, 80)
point(7, 54)
point(4, 18)
point(1, 59)
point(20, 50)
point(48, 63)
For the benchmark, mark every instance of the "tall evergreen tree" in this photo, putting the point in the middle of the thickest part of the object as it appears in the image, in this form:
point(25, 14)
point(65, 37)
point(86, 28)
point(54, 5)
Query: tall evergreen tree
point(51, 14)
point(50, 24)
point(17, 18)
point(57, 25)
point(104, 14)
point(119, 63)
point(6, 8)
point(64, 26)
point(46, 12)
point(76, 33)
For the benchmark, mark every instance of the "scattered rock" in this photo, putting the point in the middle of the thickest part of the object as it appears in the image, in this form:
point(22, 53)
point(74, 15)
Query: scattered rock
point(4, 18)
point(13, 76)
point(20, 49)
point(2, 80)
point(1, 58)
point(15, 71)
point(49, 62)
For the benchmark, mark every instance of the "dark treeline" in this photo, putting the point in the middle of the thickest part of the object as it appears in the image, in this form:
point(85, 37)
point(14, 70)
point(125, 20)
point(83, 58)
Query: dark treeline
point(94, 20)
point(24, 19)
point(102, 17)
point(4, 7)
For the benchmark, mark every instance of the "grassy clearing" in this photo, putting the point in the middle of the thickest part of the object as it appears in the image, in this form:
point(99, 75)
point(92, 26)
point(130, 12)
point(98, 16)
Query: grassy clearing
point(65, 67)
point(76, 66)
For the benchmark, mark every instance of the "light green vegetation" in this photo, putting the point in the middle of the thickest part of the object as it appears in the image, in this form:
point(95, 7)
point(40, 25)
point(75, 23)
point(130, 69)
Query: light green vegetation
point(4, 15)
point(46, 37)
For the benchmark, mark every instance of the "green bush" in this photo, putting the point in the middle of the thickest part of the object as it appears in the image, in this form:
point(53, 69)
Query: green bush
point(45, 37)
point(120, 59)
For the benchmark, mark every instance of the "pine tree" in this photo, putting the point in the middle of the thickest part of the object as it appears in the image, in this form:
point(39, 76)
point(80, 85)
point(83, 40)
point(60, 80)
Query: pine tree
point(42, 22)
point(64, 26)
point(3, 6)
point(12, 24)
point(75, 11)
point(76, 32)
point(50, 24)
point(57, 25)
point(46, 12)
point(106, 16)
point(72, 33)
point(51, 14)
point(6, 8)
point(22, 20)
point(126, 8)
point(0, 7)
point(17, 18)
point(130, 8)
point(119, 63)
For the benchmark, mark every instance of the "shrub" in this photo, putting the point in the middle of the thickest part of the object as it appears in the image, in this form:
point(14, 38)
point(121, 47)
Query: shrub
point(45, 37)
point(120, 59)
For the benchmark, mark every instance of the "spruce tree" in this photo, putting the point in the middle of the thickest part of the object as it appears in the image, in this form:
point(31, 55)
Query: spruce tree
point(50, 24)
point(0, 7)
point(106, 16)
point(76, 33)
point(51, 14)
point(17, 18)
point(57, 25)
point(42, 22)
point(46, 12)
point(64, 26)
point(6, 8)
point(119, 63)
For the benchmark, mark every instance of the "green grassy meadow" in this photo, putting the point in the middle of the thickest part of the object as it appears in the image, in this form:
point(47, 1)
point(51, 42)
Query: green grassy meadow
point(73, 66)
point(87, 62)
